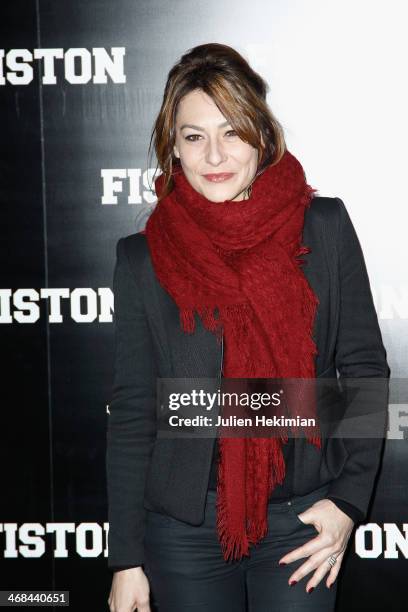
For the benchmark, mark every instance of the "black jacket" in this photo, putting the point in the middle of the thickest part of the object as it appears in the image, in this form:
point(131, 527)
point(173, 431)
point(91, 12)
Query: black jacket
point(171, 475)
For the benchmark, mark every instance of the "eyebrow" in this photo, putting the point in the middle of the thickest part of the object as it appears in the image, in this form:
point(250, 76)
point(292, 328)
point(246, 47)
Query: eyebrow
point(197, 127)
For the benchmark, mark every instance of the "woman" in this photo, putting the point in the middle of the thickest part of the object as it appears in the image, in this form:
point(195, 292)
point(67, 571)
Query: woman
point(214, 287)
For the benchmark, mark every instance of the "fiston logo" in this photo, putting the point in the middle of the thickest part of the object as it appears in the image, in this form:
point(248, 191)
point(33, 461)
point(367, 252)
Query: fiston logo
point(80, 65)
point(128, 180)
point(31, 540)
point(385, 540)
point(83, 305)
point(90, 540)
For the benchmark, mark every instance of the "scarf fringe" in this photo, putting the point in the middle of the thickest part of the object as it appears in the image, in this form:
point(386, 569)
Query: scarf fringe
point(305, 200)
point(233, 545)
point(187, 320)
point(277, 464)
point(303, 250)
point(208, 318)
point(316, 440)
point(308, 195)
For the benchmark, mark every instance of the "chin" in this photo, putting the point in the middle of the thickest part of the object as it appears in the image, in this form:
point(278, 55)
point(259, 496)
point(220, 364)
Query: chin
point(218, 194)
point(219, 197)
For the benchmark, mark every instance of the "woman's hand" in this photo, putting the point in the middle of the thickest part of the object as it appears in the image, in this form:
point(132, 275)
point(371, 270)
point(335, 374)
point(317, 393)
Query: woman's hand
point(334, 527)
point(130, 591)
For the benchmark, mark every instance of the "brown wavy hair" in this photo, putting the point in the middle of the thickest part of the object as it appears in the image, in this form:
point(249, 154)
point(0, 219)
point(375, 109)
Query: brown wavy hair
point(238, 91)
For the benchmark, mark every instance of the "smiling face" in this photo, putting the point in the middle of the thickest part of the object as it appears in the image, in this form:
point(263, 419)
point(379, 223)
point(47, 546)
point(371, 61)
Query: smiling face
point(215, 161)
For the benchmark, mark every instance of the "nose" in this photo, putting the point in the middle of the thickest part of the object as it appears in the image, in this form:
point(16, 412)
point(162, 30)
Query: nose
point(215, 153)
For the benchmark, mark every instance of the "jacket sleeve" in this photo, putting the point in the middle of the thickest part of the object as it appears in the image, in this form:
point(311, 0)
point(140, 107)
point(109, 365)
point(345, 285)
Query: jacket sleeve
point(354, 513)
point(131, 427)
point(359, 353)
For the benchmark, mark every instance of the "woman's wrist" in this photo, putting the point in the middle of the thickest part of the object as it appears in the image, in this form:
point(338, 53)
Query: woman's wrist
point(352, 511)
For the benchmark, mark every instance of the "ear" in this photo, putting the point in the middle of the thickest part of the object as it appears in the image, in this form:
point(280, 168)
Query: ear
point(176, 151)
point(262, 140)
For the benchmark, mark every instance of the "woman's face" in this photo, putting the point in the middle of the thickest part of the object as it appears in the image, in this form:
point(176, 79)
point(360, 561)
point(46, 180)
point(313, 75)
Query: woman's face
point(215, 161)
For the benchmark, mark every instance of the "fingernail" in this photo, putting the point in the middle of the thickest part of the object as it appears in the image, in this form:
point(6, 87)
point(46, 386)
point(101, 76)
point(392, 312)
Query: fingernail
point(311, 589)
point(282, 563)
point(330, 585)
point(292, 582)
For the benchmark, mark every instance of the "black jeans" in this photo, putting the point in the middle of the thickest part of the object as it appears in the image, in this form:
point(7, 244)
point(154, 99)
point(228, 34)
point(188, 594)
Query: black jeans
point(187, 572)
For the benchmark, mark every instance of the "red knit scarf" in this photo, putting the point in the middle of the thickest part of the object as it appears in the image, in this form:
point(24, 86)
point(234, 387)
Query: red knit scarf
point(240, 259)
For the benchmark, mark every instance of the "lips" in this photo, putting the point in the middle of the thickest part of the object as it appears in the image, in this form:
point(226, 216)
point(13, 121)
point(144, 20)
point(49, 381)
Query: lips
point(219, 177)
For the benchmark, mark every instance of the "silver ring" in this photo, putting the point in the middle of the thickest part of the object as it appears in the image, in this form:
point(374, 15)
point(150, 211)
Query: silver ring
point(332, 560)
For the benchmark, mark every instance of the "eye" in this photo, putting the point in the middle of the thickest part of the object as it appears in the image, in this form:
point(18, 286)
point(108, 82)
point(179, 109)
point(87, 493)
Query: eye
point(192, 137)
point(233, 132)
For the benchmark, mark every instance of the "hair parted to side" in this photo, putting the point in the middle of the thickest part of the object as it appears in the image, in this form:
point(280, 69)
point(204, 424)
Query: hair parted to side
point(238, 91)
